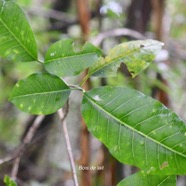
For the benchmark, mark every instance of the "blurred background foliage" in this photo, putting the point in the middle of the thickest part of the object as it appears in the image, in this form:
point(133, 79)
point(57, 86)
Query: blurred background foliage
point(53, 20)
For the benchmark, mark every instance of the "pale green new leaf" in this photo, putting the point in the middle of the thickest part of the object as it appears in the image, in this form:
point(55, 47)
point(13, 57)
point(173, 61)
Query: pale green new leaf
point(140, 179)
point(62, 60)
point(40, 94)
point(137, 129)
point(17, 40)
point(137, 55)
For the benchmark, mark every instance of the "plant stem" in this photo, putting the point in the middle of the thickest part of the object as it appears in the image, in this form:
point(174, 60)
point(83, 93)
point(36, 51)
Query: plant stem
point(84, 80)
point(62, 116)
point(40, 61)
point(76, 87)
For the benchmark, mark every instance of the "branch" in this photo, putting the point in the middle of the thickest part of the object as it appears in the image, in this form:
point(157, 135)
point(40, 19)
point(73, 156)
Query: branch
point(63, 116)
point(28, 137)
point(8, 158)
point(26, 141)
point(16, 156)
point(49, 13)
point(116, 32)
point(15, 168)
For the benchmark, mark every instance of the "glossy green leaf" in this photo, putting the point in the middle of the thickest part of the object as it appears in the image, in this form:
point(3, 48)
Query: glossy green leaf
point(62, 60)
point(17, 40)
point(40, 94)
point(137, 129)
point(140, 179)
point(9, 182)
point(137, 55)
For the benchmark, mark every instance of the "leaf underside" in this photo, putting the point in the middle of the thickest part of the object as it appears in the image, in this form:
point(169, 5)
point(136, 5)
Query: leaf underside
point(137, 129)
point(62, 60)
point(140, 179)
point(40, 94)
point(137, 55)
point(17, 40)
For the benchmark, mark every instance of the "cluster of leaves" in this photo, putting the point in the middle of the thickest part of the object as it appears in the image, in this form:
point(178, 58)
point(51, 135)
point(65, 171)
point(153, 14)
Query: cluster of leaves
point(136, 129)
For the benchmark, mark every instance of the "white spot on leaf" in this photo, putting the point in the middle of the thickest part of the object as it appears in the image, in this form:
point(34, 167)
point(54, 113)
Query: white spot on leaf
point(52, 54)
point(97, 98)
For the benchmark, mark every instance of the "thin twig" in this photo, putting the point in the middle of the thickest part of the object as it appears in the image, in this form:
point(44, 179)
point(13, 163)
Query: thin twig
point(16, 156)
point(62, 116)
point(116, 32)
point(49, 13)
point(8, 158)
point(27, 139)
point(15, 168)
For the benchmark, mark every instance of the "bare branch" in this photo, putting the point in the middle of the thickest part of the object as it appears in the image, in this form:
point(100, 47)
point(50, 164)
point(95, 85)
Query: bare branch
point(116, 32)
point(62, 116)
point(8, 158)
point(49, 13)
point(15, 168)
point(27, 139)
point(16, 155)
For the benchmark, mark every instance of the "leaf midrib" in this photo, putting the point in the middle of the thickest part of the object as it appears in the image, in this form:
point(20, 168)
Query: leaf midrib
point(128, 126)
point(39, 93)
point(119, 58)
point(71, 56)
point(30, 54)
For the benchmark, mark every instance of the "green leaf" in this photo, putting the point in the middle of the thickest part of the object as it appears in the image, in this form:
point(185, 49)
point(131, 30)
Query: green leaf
point(140, 179)
point(137, 55)
point(40, 94)
point(62, 60)
point(9, 182)
point(17, 40)
point(137, 129)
